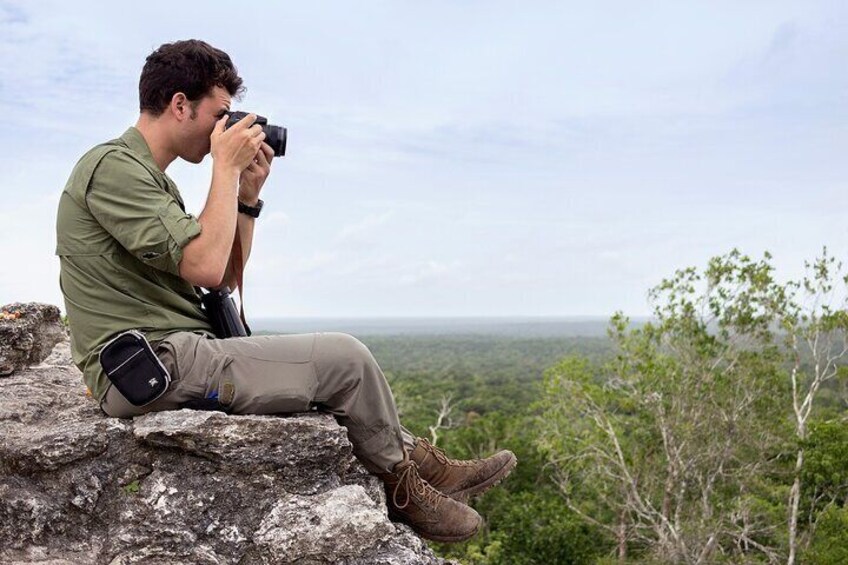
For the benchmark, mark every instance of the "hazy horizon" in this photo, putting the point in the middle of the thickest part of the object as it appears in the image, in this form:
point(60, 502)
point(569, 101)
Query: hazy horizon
point(504, 326)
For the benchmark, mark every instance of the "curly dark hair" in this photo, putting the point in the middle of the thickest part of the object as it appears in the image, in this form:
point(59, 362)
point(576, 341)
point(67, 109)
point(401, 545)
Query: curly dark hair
point(192, 67)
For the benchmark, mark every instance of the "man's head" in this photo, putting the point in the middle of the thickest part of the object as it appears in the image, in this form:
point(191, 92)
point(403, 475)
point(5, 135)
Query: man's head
point(190, 85)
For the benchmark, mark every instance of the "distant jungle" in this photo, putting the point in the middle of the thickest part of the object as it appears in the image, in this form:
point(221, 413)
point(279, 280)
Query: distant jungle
point(713, 433)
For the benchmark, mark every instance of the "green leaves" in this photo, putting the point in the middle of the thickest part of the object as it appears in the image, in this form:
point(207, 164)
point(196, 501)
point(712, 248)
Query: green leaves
point(676, 448)
point(678, 440)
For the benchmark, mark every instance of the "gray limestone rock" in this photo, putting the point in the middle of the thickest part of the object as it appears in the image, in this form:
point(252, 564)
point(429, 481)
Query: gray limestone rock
point(343, 522)
point(183, 487)
point(28, 332)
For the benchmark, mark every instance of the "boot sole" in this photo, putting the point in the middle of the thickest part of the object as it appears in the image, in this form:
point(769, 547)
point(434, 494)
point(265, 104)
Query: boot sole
point(450, 539)
point(433, 537)
point(494, 480)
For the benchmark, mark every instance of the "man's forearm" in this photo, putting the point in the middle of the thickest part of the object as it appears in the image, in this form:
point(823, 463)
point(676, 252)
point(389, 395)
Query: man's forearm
point(250, 183)
point(204, 260)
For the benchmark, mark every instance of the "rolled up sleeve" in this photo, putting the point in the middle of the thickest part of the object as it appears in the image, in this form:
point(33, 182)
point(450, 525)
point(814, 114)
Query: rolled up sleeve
point(145, 219)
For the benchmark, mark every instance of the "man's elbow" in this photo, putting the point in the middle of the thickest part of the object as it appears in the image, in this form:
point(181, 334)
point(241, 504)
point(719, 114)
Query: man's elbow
point(208, 274)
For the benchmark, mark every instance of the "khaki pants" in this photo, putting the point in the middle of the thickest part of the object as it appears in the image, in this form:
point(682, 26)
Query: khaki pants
point(282, 374)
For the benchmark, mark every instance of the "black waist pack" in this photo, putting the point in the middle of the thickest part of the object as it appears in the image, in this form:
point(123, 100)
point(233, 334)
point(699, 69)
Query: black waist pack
point(222, 314)
point(129, 362)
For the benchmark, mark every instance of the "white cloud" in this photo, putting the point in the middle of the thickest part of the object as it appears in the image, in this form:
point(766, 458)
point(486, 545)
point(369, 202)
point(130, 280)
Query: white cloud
point(278, 219)
point(315, 264)
point(366, 226)
point(430, 272)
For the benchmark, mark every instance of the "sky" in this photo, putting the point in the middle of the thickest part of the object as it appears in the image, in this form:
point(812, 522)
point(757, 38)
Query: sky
point(461, 158)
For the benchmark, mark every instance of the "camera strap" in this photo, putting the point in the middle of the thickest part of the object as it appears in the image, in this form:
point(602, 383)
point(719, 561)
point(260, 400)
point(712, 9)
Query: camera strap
point(238, 268)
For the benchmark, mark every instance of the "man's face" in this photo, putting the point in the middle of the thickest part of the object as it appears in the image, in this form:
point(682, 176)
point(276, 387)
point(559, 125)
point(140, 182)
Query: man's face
point(205, 113)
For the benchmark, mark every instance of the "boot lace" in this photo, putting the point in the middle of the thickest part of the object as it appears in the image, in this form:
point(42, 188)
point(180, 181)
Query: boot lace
point(442, 457)
point(412, 485)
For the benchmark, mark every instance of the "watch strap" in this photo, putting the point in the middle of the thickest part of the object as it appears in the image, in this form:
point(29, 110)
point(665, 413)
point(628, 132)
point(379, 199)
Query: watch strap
point(252, 211)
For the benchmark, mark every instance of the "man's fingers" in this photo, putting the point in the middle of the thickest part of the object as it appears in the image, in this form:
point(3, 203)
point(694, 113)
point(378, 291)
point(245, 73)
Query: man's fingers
point(255, 129)
point(219, 125)
point(266, 154)
point(245, 122)
point(261, 157)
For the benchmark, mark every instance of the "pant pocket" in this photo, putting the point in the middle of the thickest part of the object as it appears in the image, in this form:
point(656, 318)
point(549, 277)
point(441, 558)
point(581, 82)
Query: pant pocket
point(256, 386)
point(178, 353)
point(202, 381)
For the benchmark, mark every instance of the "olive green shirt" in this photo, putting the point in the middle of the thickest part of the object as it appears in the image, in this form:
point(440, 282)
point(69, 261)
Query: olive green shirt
point(120, 233)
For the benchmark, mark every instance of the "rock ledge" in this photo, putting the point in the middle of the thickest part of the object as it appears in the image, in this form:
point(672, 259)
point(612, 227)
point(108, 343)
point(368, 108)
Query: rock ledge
point(182, 487)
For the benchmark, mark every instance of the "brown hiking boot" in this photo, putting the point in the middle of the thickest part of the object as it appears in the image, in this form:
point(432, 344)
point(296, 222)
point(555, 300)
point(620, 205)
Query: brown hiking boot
point(461, 479)
point(428, 512)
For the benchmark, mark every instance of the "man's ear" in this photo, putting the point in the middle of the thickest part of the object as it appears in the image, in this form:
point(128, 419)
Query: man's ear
point(180, 106)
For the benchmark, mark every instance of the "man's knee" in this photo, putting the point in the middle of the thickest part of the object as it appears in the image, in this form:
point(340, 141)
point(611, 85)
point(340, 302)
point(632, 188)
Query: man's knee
point(345, 351)
point(343, 364)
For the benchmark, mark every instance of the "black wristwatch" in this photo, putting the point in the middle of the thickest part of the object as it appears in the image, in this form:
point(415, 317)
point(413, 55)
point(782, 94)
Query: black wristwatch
point(252, 211)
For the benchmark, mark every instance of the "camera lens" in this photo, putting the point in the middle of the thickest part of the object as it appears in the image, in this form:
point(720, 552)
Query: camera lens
point(275, 136)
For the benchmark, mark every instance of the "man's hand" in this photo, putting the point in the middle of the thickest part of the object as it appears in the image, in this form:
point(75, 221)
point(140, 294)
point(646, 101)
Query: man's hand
point(253, 177)
point(236, 147)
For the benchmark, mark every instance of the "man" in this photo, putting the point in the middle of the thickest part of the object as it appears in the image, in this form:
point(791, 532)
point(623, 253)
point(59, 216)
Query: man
point(132, 258)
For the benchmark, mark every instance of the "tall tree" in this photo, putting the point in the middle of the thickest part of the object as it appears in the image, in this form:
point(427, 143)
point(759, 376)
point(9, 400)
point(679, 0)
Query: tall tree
point(671, 447)
point(816, 327)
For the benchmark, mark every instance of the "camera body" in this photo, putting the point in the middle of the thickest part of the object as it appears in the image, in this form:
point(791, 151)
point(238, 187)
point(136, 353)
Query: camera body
point(222, 314)
point(275, 136)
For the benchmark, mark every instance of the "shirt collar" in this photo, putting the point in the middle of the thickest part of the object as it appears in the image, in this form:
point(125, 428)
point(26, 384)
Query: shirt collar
point(135, 141)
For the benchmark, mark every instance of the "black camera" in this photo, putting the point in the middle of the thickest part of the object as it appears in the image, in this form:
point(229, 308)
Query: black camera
point(275, 136)
point(222, 314)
